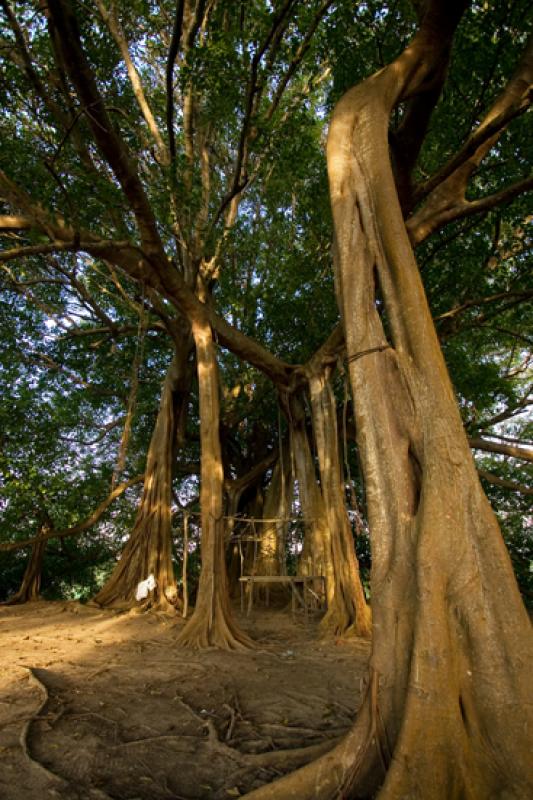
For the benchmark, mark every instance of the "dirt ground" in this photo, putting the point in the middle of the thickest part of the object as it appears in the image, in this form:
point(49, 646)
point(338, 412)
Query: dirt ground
point(96, 704)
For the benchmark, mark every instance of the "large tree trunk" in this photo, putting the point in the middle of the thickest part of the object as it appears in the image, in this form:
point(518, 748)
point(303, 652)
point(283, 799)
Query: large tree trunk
point(149, 548)
point(212, 622)
point(347, 607)
point(448, 711)
point(30, 587)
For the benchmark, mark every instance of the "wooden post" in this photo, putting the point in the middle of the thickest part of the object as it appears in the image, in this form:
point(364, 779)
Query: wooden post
point(250, 597)
point(293, 598)
point(241, 581)
point(185, 558)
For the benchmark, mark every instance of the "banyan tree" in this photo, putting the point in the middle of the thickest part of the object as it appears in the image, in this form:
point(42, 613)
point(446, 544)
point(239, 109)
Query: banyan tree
point(173, 161)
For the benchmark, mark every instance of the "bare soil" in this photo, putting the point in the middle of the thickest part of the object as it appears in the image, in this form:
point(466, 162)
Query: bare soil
point(98, 704)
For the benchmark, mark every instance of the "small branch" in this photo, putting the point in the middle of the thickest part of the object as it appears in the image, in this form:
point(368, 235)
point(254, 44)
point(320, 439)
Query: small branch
point(504, 483)
point(86, 296)
point(298, 57)
point(23, 288)
point(65, 121)
point(114, 27)
point(498, 198)
point(80, 527)
point(102, 330)
point(253, 95)
point(511, 439)
point(44, 360)
point(508, 413)
point(105, 430)
point(37, 249)
point(453, 312)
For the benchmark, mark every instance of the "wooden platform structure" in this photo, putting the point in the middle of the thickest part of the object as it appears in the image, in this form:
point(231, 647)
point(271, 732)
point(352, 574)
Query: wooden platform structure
point(306, 583)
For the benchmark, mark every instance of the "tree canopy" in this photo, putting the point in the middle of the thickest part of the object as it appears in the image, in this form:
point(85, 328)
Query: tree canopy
point(221, 110)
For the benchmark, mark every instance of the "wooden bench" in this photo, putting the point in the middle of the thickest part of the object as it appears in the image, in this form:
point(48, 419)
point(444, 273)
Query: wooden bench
point(294, 581)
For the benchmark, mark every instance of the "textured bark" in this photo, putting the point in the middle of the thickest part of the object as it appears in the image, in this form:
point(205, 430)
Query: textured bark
point(149, 548)
point(276, 512)
point(315, 556)
point(448, 713)
point(212, 622)
point(30, 586)
point(347, 607)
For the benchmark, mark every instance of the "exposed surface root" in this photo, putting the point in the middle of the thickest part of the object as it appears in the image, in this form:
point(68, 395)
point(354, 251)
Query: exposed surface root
point(201, 632)
point(23, 739)
point(127, 713)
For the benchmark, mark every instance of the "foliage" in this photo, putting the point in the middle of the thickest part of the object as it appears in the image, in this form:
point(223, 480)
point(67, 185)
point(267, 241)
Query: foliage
point(77, 332)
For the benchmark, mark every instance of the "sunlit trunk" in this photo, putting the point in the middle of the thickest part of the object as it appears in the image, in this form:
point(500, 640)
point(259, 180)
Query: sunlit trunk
point(448, 713)
point(212, 622)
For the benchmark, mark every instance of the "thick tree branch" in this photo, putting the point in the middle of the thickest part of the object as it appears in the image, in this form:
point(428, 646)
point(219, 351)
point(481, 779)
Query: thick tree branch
point(66, 121)
point(524, 453)
point(253, 475)
point(171, 60)
point(421, 225)
point(446, 191)
point(513, 101)
point(109, 142)
point(10, 223)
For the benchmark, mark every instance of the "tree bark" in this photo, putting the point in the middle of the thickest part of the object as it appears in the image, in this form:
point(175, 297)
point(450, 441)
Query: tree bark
point(149, 548)
point(315, 556)
point(447, 714)
point(276, 512)
point(212, 622)
point(347, 607)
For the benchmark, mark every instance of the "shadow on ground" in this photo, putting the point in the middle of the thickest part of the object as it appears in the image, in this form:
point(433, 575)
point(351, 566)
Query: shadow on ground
point(96, 704)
